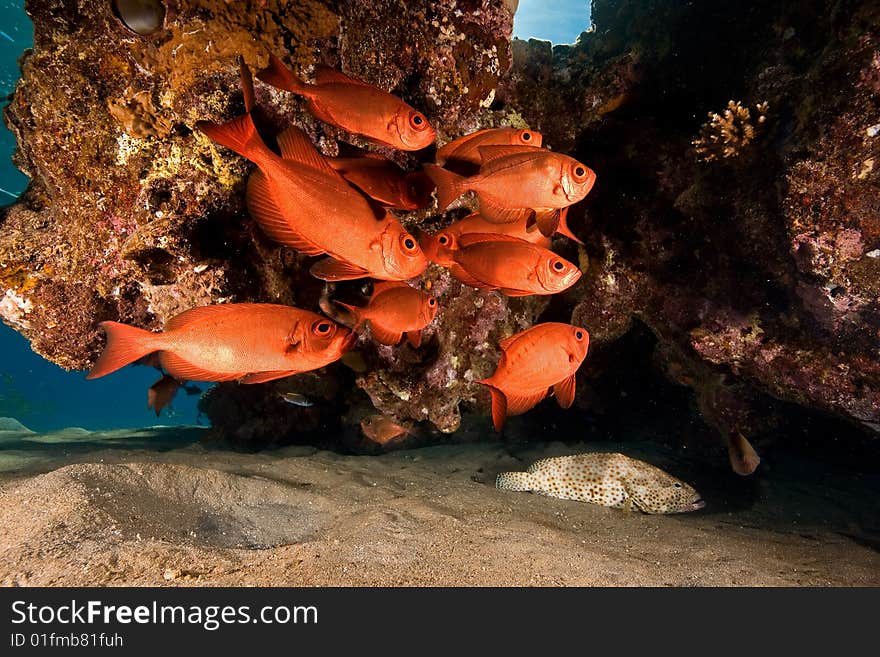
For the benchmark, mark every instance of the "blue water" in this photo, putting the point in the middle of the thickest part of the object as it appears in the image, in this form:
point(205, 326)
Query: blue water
point(559, 21)
point(45, 397)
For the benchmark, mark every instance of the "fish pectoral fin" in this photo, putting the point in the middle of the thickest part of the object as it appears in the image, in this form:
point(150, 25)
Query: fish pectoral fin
point(330, 269)
point(491, 211)
point(565, 391)
point(547, 220)
point(297, 147)
point(329, 75)
point(267, 214)
point(186, 371)
point(263, 377)
point(414, 338)
point(499, 405)
point(462, 275)
point(385, 336)
point(563, 229)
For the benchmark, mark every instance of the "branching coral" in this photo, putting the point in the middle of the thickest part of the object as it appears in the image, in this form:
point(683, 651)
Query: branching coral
point(725, 135)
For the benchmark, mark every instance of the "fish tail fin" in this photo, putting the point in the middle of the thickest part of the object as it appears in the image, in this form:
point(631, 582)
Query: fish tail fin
point(520, 481)
point(449, 185)
point(125, 344)
point(499, 404)
point(240, 135)
point(354, 311)
point(278, 75)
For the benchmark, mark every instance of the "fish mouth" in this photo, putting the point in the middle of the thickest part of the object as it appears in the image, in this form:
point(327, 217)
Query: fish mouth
point(696, 506)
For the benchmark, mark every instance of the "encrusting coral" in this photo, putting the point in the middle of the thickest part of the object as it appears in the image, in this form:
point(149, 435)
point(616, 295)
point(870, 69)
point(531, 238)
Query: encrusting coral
point(725, 135)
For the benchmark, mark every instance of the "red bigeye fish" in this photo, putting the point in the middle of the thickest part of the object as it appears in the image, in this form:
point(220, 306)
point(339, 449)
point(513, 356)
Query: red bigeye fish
point(531, 362)
point(518, 183)
point(385, 182)
point(395, 309)
point(465, 149)
point(301, 201)
point(436, 247)
point(248, 342)
point(355, 106)
point(500, 262)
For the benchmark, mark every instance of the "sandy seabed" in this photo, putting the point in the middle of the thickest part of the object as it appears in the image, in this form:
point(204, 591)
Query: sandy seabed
point(156, 507)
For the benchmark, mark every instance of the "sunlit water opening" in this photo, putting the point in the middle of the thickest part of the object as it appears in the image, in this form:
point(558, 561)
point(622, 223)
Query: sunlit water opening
point(557, 21)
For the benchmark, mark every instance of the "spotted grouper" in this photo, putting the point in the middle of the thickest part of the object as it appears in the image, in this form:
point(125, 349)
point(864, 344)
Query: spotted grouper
point(611, 480)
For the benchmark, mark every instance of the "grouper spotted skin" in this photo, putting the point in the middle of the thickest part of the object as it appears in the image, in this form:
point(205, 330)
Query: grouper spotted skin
point(609, 479)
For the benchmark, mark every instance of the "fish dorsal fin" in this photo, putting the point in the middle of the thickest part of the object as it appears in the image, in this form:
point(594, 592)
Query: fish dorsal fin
point(490, 153)
point(330, 269)
point(263, 377)
point(449, 147)
point(264, 209)
point(507, 342)
point(186, 371)
point(297, 147)
point(564, 391)
point(329, 75)
point(465, 277)
point(193, 315)
point(384, 286)
point(494, 213)
point(469, 239)
point(520, 403)
point(384, 335)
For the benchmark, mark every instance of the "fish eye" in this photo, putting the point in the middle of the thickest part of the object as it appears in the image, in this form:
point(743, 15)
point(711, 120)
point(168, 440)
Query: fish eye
point(558, 266)
point(432, 301)
point(579, 335)
point(443, 240)
point(676, 485)
point(417, 121)
point(409, 244)
point(527, 136)
point(321, 327)
point(580, 172)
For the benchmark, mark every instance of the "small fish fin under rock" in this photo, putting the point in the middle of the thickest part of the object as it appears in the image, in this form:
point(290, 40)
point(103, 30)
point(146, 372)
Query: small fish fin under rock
point(265, 211)
point(331, 269)
point(278, 75)
point(496, 214)
point(548, 221)
point(162, 392)
point(125, 345)
point(564, 391)
point(384, 286)
point(518, 481)
point(499, 405)
point(449, 185)
point(329, 75)
point(297, 147)
point(185, 371)
point(467, 239)
point(264, 377)
point(414, 338)
point(563, 229)
point(518, 404)
point(489, 153)
point(743, 458)
point(385, 336)
point(463, 276)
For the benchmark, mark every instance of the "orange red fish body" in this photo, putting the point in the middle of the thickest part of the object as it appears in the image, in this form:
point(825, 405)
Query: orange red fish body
point(518, 183)
point(396, 309)
point(500, 262)
point(382, 430)
point(250, 342)
point(532, 361)
point(299, 200)
point(385, 182)
point(466, 149)
point(437, 247)
point(355, 106)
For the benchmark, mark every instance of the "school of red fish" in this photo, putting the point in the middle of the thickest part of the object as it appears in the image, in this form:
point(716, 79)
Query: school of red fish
point(339, 208)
